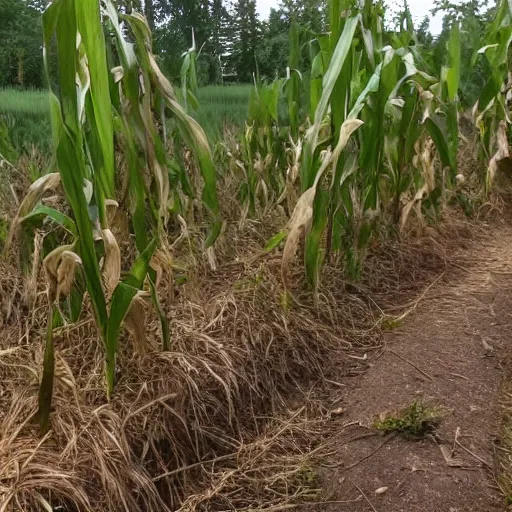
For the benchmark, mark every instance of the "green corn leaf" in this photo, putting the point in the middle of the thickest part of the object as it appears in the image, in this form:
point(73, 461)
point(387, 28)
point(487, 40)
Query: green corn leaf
point(321, 201)
point(56, 216)
point(192, 101)
point(69, 150)
point(121, 302)
point(275, 241)
point(438, 134)
point(329, 81)
point(73, 187)
point(453, 72)
point(313, 253)
point(89, 25)
point(76, 298)
point(489, 92)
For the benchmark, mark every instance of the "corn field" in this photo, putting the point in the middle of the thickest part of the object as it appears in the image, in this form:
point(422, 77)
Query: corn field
point(367, 144)
point(378, 144)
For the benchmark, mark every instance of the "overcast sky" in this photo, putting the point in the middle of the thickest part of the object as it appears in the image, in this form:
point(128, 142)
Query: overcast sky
point(419, 9)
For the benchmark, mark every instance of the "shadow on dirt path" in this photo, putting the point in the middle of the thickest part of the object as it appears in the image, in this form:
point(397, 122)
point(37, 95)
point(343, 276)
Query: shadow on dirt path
point(448, 353)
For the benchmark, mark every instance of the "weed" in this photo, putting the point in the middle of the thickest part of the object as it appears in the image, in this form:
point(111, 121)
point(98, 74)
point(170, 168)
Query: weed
point(415, 421)
point(308, 476)
point(389, 324)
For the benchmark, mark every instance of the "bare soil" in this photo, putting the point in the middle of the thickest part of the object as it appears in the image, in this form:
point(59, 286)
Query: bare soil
point(448, 353)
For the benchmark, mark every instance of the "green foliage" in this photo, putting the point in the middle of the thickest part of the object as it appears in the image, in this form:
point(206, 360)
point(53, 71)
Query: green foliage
point(246, 38)
point(415, 421)
point(493, 103)
point(30, 102)
point(21, 35)
point(93, 106)
point(189, 77)
point(27, 114)
point(7, 150)
point(473, 17)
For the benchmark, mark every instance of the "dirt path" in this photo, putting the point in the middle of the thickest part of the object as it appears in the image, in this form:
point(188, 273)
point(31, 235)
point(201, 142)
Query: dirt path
point(447, 353)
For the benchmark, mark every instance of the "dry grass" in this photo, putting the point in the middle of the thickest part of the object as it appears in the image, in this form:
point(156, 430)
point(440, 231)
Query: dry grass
point(224, 420)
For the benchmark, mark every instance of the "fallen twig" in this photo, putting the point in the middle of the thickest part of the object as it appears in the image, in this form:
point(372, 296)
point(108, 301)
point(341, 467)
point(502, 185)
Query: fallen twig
point(364, 496)
point(388, 438)
point(457, 442)
point(429, 377)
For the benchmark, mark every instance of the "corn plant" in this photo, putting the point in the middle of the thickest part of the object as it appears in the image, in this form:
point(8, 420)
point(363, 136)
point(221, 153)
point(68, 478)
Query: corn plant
point(268, 144)
point(292, 84)
point(189, 76)
point(374, 112)
point(492, 111)
point(91, 110)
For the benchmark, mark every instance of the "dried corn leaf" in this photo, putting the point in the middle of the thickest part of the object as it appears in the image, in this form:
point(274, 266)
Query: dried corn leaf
point(112, 261)
point(502, 153)
point(135, 322)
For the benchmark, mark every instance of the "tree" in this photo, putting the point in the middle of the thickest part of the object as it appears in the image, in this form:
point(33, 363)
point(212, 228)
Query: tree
point(246, 37)
point(425, 38)
point(310, 14)
point(221, 43)
point(272, 54)
point(21, 36)
point(175, 21)
point(149, 12)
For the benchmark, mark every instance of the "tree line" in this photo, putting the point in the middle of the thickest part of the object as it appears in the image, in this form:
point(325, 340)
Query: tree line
point(233, 44)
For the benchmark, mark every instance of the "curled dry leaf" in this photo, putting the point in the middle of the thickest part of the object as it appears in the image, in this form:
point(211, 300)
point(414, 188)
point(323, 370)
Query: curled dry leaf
point(135, 322)
point(66, 272)
point(210, 256)
point(37, 190)
point(502, 153)
point(302, 215)
point(111, 206)
point(35, 193)
point(60, 268)
point(297, 226)
point(161, 263)
point(425, 160)
point(117, 73)
point(112, 261)
point(449, 458)
point(31, 284)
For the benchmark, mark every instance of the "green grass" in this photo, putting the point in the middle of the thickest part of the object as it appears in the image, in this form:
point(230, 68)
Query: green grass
point(221, 106)
point(29, 102)
point(415, 421)
point(28, 118)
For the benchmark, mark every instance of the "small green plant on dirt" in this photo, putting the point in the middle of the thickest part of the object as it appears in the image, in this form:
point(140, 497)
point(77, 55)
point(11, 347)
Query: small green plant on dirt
point(388, 324)
point(415, 421)
point(308, 475)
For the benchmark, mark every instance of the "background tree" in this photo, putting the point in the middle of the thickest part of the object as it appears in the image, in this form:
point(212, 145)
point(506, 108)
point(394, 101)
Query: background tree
point(21, 39)
point(246, 37)
point(473, 16)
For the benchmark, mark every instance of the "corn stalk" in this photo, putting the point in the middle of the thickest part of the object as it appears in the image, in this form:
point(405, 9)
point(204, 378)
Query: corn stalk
point(92, 108)
point(397, 106)
point(492, 111)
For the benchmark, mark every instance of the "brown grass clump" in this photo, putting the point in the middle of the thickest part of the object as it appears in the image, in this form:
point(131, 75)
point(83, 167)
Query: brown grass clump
point(223, 420)
point(238, 353)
